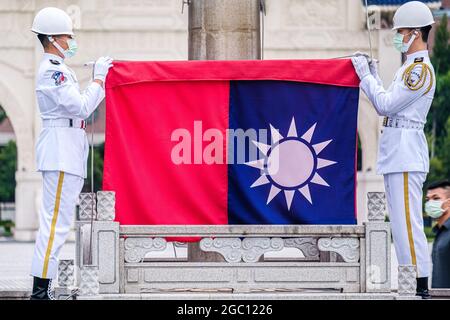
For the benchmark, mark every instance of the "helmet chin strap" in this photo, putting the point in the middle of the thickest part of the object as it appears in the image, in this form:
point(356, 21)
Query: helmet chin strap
point(413, 37)
point(57, 46)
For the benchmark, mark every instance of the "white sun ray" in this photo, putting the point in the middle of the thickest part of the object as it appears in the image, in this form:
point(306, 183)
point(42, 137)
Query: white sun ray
point(276, 136)
point(322, 163)
point(260, 181)
point(292, 129)
point(294, 147)
point(258, 164)
point(273, 192)
point(289, 195)
point(320, 146)
point(307, 136)
point(317, 179)
point(305, 192)
point(264, 148)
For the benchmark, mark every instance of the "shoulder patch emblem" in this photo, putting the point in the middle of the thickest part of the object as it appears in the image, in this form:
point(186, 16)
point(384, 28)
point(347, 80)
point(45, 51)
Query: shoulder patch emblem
point(416, 76)
point(418, 59)
point(55, 62)
point(59, 77)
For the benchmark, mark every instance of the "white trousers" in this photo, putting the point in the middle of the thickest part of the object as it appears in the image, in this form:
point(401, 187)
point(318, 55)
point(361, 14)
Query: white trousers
point(59, 198)
point(404, 199)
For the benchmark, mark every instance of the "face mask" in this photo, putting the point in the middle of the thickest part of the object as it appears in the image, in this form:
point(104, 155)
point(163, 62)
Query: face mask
point(433, 208)
point(71, 50)
point(398, 42)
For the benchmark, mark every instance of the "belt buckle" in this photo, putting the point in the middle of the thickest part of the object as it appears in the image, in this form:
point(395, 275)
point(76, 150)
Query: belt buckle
point(385, 121)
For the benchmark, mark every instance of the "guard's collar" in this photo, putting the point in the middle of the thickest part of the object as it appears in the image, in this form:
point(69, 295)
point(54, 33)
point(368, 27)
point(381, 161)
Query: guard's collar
point(418, 54)
point(50, 56)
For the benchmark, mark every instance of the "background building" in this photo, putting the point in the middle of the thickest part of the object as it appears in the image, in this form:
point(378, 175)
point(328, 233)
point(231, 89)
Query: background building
point(157, 30)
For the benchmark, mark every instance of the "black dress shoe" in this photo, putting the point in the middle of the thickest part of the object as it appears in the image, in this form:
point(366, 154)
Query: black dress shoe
point(422, 288)
point(41, 289)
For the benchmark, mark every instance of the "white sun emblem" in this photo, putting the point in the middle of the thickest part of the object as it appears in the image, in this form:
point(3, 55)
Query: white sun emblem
point(290, 164)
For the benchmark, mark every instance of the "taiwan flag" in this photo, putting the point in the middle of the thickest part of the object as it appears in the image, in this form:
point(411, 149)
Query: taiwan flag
point(232, 142)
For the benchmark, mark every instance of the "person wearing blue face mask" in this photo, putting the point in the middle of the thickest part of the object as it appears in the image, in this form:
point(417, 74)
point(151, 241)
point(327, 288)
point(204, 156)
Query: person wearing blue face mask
point(403, 151)
point(437, 207)
point(62, 147)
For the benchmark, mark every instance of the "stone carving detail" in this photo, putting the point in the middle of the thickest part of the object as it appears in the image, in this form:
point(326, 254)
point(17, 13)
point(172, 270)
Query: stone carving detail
point(87, 206)
point(106, 202)
point(407, 280)
point(308, 246)
point(89, 285)
point(376, 206)
point(66, 273)
point(137, 248)
point(236, 250)
point(347, 248)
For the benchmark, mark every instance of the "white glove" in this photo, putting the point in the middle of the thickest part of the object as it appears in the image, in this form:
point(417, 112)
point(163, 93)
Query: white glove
point(101, 68)
point(373, 65)
point(359, 53)
point(361, 66)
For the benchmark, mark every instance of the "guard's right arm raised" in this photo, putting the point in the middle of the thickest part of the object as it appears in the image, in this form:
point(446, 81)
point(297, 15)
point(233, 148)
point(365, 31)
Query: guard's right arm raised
point(60, 91)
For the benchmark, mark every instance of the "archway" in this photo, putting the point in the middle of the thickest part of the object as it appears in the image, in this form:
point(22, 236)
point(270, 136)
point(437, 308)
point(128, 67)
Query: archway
point(28, 184)
point(8, 161)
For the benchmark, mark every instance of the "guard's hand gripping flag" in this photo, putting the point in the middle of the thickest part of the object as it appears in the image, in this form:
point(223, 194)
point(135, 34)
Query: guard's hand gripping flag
point(174, 147)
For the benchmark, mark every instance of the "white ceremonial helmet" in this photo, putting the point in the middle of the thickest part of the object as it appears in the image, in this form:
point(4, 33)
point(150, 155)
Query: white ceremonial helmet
point(413, 14)
point(52, 21)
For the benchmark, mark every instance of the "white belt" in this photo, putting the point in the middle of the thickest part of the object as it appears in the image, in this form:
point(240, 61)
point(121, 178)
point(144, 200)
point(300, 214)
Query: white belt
point(402, 123)
point(64, 123)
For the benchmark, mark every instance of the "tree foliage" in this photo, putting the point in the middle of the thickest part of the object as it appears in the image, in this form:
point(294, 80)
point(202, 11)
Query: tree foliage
point(8, 160)
point(438, 122)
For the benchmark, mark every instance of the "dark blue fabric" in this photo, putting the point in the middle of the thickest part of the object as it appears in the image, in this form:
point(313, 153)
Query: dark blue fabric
point(392, 2)
point(256, 104)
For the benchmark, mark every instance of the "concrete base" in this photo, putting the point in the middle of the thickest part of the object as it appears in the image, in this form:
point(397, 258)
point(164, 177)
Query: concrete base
point(251, 296)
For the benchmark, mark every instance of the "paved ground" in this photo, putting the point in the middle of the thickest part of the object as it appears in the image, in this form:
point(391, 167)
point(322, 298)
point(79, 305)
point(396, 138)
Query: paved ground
point(15, 262)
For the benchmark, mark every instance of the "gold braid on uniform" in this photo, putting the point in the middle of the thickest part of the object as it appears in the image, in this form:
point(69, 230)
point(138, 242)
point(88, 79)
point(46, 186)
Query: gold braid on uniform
point(426, 71)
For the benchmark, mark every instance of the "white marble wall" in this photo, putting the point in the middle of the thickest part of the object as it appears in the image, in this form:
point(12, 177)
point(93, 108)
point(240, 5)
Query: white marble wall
point(156, 30)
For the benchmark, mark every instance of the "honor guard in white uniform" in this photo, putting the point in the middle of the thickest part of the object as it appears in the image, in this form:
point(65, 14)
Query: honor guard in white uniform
point(403, 151)
point(62, 148)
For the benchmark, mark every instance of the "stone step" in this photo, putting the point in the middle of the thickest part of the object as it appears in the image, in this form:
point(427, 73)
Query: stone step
point(250, 296)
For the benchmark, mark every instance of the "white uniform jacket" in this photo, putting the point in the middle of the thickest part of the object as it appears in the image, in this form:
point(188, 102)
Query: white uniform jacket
point(59, 97)
point(408, 98)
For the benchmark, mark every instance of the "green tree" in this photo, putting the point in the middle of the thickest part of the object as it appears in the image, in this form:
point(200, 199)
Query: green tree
point(99, 152)
point(445, 153)
point(2, 114)
point(437, 128)
point(441, 50)
point(8, 167)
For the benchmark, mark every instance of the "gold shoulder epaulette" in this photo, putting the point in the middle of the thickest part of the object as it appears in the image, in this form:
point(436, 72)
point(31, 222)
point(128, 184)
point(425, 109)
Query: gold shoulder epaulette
point(422, 77)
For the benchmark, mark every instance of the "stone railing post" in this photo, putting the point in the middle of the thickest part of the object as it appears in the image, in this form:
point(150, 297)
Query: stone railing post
point(66, 280)
point(378, 245)
point(407, 280)
point(98, 245)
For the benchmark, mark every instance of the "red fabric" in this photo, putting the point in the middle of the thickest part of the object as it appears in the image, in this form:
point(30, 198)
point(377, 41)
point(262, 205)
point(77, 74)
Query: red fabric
point(338, 72)
point(140, 145)
point(137, 143)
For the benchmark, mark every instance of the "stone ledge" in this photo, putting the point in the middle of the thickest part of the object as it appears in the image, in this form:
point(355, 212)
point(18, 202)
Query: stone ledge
point(250, 296)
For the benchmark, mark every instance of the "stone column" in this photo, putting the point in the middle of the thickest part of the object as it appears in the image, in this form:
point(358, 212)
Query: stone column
point(28, 198)
point(224, 30)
